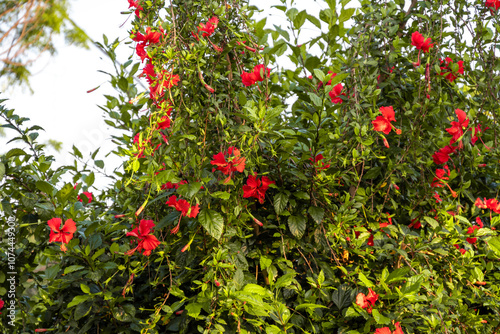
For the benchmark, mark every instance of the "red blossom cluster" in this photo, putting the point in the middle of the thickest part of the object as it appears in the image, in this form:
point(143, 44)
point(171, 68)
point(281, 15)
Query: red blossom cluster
point(365, 301)
point(86, 194)
point(415, 223)
point(491, 204)
point(441, 175)
point(493, 5)
point(443, 155)
point(170, 185)
point(62, 235)
point(318, 164)
point(229, 162)
point(259, 73)
point(209, 28)
point(158, 81)
point(456, 129)
point(383, 123)
point(135, 4)
point(336, 91)
point(146, 242)
point(420, 42)
point(256, 188)
point(472, 229)
point(387, 330)
point(446, 70)
point(183, 206)
point(151, 37)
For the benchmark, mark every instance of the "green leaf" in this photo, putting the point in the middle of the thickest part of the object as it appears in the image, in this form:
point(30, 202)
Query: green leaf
point(346, 14)
point(84, 288)
point(78, 299)
point(342, 297)
point(494, 244)
point(65, 193)
point(280, 201)
point(15, 152)
point(72, 268)
point(189, 190)
point(89, 180)
point(221, 194)
point(316, 213)
point(285, 280)
point(431, 221)
point(319, 74)
point(365, 280)
point(82, 310)
point(318, 102)
point(265, 262)
point(297, 225)
point(193, 309)
point(212, 221)
point(398, 275)
point(379, 318)
point(2, 171)
point(257, 289)
point(309, 306)
point(45, 187)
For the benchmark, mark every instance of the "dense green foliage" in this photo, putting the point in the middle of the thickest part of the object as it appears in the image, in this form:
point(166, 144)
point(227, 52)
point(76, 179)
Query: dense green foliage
point(296, 257)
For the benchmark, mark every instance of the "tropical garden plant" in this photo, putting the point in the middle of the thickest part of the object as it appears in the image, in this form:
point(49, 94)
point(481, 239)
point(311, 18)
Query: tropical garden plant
point(355, 192)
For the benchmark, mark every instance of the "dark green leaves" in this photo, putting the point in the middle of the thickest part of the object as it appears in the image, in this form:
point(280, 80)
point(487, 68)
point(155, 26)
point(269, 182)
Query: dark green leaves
point(212, 221)
point(297, 225)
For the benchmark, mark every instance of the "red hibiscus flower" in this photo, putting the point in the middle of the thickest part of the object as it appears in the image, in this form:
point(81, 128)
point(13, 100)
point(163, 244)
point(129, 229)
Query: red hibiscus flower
point(383, 123)
point(335, 94)
point(443, 155)
point(87, 194)
point(256, 188)
point(318, 164)
point(457, 128)
point(441, 174)
point(62, 235)
point(387, 330)
point(208, 28)
point(146, 241)
point(420, 43)
point(370, 241)
point(135, 4)
point(415, 223)
point(493, 5)
point(259, 73)
point(234, 162)
point(383, 330)
point(461, 250)
point(364, 301)
point(446, 70)
point(183, 207)
point(164, 123)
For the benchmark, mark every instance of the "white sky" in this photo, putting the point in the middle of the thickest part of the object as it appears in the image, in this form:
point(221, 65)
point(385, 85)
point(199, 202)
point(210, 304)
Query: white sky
point(60, 103)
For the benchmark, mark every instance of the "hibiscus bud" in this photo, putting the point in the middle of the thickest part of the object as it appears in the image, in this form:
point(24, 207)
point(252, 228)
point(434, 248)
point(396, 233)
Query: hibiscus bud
point(119, 216)
point(138, 212)
point(258, 222)
point(217, 283)
point(395, 186)
point(185, 247)
point(210, 89)
point(481, 165)
point(179, 312)
point(398, 131)
point(386, 143)
point(93, 89)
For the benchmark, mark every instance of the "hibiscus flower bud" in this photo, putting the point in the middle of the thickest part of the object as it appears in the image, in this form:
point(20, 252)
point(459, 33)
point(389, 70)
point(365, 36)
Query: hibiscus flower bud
point(398, 131)
point(386, 143)
point(119, 216)
point(258, 222)
point(217, 283)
